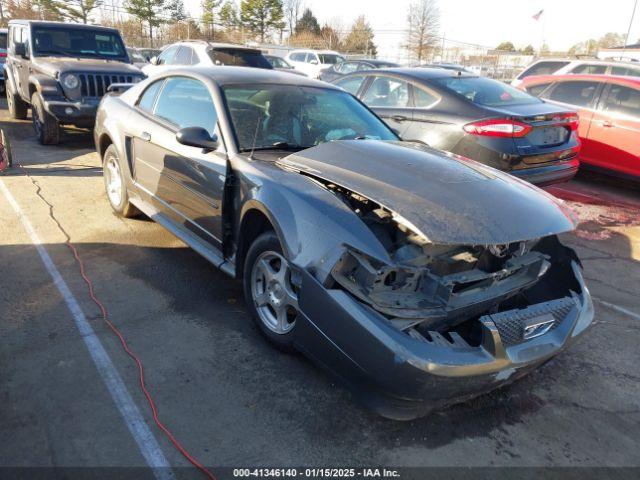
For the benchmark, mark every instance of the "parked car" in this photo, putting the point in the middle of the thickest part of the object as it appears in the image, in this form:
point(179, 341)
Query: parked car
point(136, 57)
point(339, 70)
point(312, 62)
point(609, 110)
point(61, 71)
point(149, 53)
point(561, 66)
point(3, 54)
point(203, 53)
point(476, 117)
point(281, 64)
point(417, 277)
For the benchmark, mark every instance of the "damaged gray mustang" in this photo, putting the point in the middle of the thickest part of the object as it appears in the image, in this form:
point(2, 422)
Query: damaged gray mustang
point(417, 277)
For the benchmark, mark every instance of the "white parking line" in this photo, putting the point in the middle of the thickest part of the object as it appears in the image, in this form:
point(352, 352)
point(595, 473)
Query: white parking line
point(147, 443)
point(619, 309)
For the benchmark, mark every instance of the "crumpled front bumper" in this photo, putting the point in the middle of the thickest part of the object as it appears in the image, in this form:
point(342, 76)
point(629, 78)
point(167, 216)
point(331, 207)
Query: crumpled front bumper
point(403, 377)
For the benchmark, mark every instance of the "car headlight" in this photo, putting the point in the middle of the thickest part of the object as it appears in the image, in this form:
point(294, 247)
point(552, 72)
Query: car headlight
point(70, 81)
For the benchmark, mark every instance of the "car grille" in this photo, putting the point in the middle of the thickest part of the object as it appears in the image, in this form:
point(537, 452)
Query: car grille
point(96, 85)
point(511, 324)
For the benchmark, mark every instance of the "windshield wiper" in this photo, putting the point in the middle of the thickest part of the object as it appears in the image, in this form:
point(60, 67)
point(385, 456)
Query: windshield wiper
point(278, 146)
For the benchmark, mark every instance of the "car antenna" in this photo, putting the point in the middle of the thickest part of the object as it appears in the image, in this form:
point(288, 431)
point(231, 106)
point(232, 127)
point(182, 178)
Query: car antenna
point(255, 137)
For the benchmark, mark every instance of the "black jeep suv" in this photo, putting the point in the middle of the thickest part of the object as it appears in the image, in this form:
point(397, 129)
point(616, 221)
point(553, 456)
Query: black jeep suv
point(61, 71)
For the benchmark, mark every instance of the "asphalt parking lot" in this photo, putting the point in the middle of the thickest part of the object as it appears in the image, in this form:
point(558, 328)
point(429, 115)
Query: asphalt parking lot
point(229, 397)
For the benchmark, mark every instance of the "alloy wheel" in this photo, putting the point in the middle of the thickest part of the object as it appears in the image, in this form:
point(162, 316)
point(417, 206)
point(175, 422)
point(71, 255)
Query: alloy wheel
point(274, 296)
point(113, 181)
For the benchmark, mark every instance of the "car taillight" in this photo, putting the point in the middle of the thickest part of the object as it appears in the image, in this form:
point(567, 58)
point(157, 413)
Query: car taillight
point(570, 120)
point(498, 127)
point(3, 55)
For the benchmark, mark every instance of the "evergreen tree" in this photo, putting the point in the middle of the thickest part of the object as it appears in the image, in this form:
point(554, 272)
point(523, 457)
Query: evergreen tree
point(149, 11)
point(308, 23)
point(175, 9)
point(360, 38)
point(80, 10)
point(262, 16)
point(229, 15)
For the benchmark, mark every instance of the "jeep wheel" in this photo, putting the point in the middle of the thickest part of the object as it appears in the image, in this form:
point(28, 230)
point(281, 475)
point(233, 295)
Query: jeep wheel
point(17, 107)
point(45, 125)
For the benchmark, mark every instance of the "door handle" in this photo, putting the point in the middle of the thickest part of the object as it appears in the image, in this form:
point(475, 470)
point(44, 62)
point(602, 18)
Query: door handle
point(398, 118)
point(145, 136)
point(607, 123)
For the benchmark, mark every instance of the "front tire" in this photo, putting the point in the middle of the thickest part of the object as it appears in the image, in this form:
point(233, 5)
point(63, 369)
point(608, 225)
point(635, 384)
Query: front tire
point(45, 125)
point(17, 107)
point(115, 185)
point(271, 297)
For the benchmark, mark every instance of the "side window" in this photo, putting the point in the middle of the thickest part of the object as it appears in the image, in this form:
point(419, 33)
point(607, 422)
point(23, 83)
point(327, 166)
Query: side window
point(298, 57)
point(347, 67)
point(185, 102)
point(542, 68)
point(536, 90)
point(423, 99)
point(591, 68)
point(387, 92)
point(625, 71)
point(166, 57)
point(183, 57)
point(573, 93)
point(366, 66)
point(622, 100)
point(148, 96)
point(311, 57)
point(351, 84)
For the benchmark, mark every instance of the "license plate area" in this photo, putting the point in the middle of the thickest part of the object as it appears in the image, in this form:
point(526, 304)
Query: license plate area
point(548, 136)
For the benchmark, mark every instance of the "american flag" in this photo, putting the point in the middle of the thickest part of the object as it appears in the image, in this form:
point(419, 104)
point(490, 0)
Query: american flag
point(538, 15)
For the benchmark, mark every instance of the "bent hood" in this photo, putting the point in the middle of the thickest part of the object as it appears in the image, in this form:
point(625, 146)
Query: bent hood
point(449, 199)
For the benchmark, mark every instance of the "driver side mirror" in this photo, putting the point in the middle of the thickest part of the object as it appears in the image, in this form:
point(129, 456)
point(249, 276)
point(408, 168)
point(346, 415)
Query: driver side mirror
point(197, 137)
point(20, 49)
point(314, 62)
point(154, 61)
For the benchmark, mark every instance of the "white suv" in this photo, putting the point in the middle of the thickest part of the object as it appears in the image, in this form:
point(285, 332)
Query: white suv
point(200, 52)
point(311, 62)
point(556, 66)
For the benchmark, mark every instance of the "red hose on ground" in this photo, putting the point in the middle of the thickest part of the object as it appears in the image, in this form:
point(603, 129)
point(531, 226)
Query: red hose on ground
point(114, 329)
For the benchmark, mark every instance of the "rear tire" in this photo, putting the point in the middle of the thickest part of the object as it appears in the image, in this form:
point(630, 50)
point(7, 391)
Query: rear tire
point(115, 185)
point(45, 125)
point(269, 294)
point(17, 107)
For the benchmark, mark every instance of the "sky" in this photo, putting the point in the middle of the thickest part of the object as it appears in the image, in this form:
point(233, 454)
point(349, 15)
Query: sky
point(486, 22)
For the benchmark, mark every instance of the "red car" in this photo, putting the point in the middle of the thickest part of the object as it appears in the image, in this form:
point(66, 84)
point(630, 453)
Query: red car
point(609, 110)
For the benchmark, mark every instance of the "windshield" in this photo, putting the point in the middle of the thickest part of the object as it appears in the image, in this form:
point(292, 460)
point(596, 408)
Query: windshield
point(288, 116)
point(330, 58)
point(239, 57)
point(78, 42)
point(485, 91)
point(135, 56)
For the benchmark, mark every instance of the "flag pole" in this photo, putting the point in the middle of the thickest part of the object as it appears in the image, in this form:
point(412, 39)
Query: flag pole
point(626, 40)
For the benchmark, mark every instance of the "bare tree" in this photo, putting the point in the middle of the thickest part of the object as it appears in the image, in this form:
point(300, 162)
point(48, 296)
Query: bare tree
point(424, 26)
point(292, 10)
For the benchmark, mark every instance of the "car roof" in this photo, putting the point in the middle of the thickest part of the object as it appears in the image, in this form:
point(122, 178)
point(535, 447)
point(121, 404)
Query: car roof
point(207, 44)
point(299, 50)
point(535, 79)
point(46, 23)
point(584, 60)
point(226, 75)
point(372, 61)
point(423, 73)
